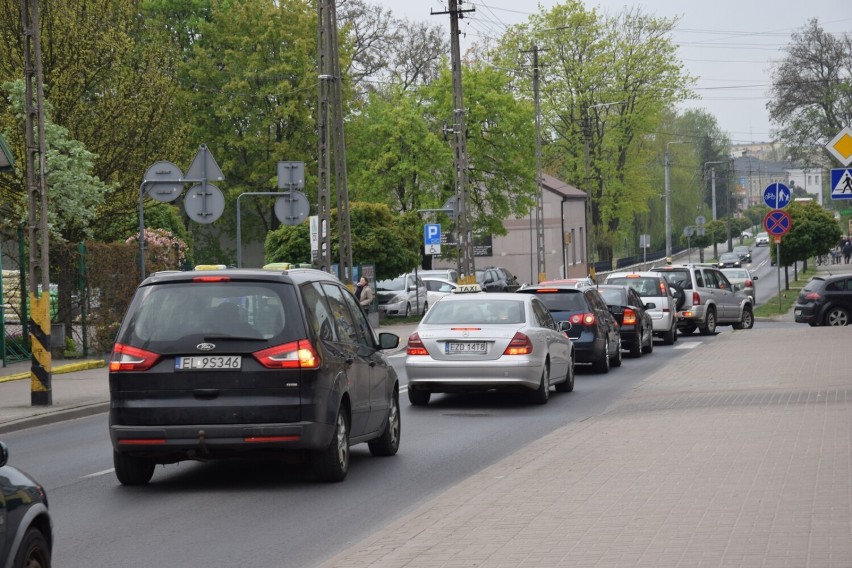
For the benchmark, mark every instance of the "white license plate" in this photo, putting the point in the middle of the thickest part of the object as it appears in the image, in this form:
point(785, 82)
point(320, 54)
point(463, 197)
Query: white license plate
point(208, 362)
point(464, 347)
point(798, 312)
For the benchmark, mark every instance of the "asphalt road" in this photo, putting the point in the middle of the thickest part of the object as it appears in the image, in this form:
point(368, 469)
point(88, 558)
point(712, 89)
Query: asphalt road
point(254, 513)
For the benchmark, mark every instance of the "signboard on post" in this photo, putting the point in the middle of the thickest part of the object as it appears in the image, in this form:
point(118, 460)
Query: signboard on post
point(841, 146)
point(431, 234)
point(841, 183)
point(777, 223)
point(777, 196)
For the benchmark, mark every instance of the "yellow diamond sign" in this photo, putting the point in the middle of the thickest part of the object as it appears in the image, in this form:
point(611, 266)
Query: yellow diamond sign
point(841, 146)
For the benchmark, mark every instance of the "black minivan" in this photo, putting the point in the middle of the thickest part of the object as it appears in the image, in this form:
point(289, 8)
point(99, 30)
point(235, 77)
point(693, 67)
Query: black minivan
point(248, 363)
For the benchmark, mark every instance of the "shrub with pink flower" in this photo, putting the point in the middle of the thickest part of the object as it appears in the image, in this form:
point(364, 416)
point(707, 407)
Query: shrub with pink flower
point(163, 248)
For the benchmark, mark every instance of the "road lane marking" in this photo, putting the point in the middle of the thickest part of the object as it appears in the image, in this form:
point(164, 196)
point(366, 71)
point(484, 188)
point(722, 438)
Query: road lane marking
point(690, 345)
point(99, 473)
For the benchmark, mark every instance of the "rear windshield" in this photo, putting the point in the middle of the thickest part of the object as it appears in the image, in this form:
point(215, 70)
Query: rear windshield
point(192, 311)
point(679, 278)
point(646, 286)
point(481, 312)
point(563, 301)
point(612, 297)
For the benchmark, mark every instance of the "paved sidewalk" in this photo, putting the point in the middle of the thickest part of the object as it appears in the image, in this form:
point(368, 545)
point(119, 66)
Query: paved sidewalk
point(736, 455)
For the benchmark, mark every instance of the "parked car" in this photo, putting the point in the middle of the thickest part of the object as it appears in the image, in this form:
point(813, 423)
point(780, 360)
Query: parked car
point(437, 288)
point(446, 273)
point(594, 331)
point(634, 321)
point(575, 282)
point(26, 527)
point(744, 253)
point(729, 260)
point(653, 288)
point(825, 300)
point(476, 342)
point(709, 299)
point(746, 234)
point(742, 280)
point(497, 279)
point(761, 240)
point(256, 363)
point(402, 296)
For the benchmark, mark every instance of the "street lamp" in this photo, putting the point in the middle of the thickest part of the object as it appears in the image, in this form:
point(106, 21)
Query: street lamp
point(669, 200)
point(7, 163)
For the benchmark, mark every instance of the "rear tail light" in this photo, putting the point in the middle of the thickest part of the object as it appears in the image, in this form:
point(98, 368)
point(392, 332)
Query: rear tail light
point(748, 284)
point(583, 319)
point(629, 317)
point(294, 355)
point(127, 358)
point(813, 296)
point(415, 345)
point(520, 345)
point(211, 279)
point(696, 299)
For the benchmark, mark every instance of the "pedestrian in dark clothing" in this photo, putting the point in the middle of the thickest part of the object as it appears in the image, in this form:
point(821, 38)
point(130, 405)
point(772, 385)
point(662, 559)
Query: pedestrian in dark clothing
point(847, 251)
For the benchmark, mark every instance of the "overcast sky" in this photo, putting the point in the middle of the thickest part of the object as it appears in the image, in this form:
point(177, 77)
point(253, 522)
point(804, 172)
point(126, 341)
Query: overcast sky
point(729, 45)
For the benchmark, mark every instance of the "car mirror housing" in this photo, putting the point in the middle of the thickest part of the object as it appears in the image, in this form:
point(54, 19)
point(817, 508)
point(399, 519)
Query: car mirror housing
point(563, 325)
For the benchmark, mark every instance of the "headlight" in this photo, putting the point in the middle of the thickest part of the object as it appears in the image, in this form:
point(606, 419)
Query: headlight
point(399, 298)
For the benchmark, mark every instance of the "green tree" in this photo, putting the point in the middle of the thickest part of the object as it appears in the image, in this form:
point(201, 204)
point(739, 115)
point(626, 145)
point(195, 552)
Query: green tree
point(391, 243)
point(813, 231)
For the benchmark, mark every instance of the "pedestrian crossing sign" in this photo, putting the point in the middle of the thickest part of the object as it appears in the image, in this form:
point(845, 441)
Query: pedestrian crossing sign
point(841, 183)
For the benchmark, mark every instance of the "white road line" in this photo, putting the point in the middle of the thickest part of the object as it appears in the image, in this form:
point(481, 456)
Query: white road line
point(689, 345)
point(99, 473)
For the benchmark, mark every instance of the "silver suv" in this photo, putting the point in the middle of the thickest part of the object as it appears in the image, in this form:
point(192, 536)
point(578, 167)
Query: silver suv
point(708, 299)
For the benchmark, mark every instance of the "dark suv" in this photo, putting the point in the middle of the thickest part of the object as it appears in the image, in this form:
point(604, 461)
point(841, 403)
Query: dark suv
point(26, 529)
point(232, 363)
point(594, 330)
point(497, 279)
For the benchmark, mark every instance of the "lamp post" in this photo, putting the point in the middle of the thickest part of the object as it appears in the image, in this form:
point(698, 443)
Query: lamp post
point(669, 200)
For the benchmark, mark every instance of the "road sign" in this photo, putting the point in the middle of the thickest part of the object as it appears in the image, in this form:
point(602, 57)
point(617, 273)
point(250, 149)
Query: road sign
point(292, 208)
point(700, 220)
point(431, 234)
point(688, 231)
point(433, 249)
point(291, 175)
point(204, 167)
point(841, 146)
point(841, 183)
point(204, 206)
point(777, 196)
point(777, 222)
point(163, 181)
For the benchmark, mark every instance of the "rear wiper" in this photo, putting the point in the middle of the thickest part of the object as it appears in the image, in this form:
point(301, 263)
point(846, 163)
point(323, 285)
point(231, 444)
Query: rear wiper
point(234, 337)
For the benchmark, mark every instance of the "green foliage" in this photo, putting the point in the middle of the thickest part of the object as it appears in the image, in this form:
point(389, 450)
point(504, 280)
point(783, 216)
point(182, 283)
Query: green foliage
point(391, 243)
point(813, 232)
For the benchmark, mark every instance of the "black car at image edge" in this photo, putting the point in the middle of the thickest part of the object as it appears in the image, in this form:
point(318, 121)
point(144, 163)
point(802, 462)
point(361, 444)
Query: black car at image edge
point(26, 528)
point(249, 363)
point(825, 301)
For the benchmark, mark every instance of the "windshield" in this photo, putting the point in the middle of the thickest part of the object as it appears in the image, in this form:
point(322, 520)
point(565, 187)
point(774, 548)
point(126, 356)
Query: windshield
point(392, 285)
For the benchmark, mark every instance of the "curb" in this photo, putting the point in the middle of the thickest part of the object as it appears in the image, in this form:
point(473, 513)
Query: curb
point(54, 417)
point(69, 368)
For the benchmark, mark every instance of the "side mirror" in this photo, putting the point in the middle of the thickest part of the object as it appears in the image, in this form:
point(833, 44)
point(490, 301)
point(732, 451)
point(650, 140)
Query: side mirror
point(563, 325)
point(4, 454)
point(650, 306)
point(754, 277)
point(388, 340)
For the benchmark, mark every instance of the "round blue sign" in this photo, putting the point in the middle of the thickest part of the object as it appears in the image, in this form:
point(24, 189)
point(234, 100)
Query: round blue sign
point(777, 196)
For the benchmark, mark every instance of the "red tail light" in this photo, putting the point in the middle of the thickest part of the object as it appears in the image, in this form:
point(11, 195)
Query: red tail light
point(696, 299)
point(813, 296)
point(127, 358)
point(629, 317)
point(211, 279)
point(520, 345)
point(748, 284)
point(583, 319)
point(294, 355)
point(415, 345)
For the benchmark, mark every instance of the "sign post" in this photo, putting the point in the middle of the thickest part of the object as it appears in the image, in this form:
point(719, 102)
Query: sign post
point(777, 223)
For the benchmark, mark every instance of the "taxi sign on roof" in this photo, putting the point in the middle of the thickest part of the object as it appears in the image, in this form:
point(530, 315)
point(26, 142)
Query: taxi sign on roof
point(466, 289)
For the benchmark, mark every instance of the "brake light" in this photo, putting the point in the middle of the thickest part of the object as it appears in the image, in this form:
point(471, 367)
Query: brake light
point(520, 345)
point(293, 355)
point(696, 299)
point(547, 290)
point(583, 319)
point(415, 345)
point(813, 296)
point(211, 279)
point(127, 358)
point(629, 317)
point(748, 284)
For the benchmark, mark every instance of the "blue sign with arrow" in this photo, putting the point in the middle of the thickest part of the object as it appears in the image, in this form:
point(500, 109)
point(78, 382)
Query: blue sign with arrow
point(777, 196)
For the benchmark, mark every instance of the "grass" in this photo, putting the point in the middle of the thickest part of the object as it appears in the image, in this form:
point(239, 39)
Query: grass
point(788, 297)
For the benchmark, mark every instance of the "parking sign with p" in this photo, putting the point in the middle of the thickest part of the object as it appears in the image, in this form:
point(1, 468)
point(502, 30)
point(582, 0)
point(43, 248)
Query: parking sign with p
point(432, 234)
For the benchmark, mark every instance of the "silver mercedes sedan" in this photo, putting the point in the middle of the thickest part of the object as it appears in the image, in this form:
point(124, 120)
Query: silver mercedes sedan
point(476, 342)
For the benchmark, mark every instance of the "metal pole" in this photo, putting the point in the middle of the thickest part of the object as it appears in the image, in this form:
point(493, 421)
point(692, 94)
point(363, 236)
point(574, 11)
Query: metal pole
point(668, 207)
point(239, 236)
point(778, 270)
point(539, 197)
point(142, 232)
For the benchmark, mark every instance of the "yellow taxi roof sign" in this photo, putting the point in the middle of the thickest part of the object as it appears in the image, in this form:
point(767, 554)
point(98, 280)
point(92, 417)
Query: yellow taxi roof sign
point(210, 267)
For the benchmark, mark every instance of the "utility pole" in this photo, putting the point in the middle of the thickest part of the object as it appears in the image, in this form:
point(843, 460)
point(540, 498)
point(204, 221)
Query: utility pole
point(331, 135)
point(539, 195)
point(669, 201)
point(713, 193)
point(466, 267)
point(41, 393)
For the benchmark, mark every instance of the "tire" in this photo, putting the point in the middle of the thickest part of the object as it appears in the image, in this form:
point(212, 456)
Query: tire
point(132, 470)
point(670, 336)
point(617, 359)
point(332, 463)
point(418, 397)
point(647, 349)
point(747, 320)
point(709, 327)
point(636, 349)
point(425, 308)
point(836, 316)
point(568, 384)
point(602, 364)
point(542, 394)
point(34, 551)
point(388, 443)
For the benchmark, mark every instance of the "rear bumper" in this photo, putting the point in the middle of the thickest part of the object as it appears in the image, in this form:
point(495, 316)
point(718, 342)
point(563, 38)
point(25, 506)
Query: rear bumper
point(806, 314)
point(425, 373)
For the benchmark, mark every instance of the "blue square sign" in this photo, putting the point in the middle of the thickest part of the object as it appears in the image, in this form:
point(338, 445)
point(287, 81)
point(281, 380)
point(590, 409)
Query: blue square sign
point(431, 234)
